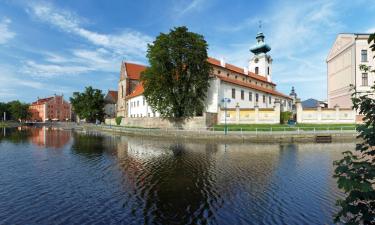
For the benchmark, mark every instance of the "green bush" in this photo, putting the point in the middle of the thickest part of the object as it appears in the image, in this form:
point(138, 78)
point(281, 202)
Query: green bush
point(118, 120)
point(285, 116)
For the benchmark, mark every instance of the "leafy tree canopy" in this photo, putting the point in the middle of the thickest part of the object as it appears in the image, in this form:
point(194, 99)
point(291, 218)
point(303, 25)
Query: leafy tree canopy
point(18, 110)
point(177, 81)
point(89, 105)
point(355, 173)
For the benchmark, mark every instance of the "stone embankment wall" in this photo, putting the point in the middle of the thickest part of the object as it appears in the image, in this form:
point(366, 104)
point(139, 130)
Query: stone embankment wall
point(320, 115)
point(208, 120)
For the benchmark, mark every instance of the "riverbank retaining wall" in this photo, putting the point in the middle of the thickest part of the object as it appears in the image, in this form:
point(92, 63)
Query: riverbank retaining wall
point(207, 120)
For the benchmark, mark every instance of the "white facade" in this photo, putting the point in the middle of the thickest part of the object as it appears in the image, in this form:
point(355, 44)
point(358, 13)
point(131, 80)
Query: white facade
point(247, 88)
point(138, 107)
point(346, 55)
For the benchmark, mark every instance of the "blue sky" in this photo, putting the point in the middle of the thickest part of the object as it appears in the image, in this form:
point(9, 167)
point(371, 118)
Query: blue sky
point(49, 47)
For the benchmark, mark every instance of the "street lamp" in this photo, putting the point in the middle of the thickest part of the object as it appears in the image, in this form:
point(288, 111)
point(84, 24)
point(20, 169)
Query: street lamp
point(225, 101)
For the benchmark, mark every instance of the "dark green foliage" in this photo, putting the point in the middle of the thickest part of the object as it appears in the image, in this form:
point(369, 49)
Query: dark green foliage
point(17, 110)
point(355, 173)
point(177, 80)
point(89, 105)
point(285, 116)
point(118, 120)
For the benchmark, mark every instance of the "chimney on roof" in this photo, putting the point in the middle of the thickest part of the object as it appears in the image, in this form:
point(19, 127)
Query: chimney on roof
point(222, 62)
point(245, 70)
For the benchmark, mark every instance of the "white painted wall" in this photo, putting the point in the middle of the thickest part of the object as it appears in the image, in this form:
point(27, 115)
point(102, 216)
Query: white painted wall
point(138, 107)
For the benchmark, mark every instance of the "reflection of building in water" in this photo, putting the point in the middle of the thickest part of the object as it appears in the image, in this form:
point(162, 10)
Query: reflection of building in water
point(49, 137)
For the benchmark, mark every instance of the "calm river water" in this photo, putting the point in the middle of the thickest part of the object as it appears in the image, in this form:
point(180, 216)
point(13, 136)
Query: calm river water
point(60, 177)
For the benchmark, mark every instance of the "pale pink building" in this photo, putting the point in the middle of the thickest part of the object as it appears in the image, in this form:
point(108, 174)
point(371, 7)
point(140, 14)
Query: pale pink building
point(349, 51)
point(50, 109)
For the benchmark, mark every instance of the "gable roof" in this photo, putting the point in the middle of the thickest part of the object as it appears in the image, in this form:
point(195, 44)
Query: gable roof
point(138, 90)
point(112, 96)
point(134, 71)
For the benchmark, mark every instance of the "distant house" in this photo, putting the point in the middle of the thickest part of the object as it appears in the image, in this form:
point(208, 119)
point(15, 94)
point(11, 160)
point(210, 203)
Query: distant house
point(110, 104)
point(313, 103)
point(50, 109)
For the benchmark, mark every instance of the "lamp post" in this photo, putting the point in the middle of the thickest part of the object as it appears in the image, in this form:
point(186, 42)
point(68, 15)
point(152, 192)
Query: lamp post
point(225, 101)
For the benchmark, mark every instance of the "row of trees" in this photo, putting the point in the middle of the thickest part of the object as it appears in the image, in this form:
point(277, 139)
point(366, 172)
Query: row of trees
point(14, 110)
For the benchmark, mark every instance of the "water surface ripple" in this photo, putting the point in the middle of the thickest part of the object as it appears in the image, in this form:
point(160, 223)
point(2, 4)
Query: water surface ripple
point(52, 176)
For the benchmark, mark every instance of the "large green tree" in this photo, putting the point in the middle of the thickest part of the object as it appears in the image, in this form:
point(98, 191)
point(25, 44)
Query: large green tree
point(355, 172)
point(18, 110)
point(177, 81)
point(89, 105)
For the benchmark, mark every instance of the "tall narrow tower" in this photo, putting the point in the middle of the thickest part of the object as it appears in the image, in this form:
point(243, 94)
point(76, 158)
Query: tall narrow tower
point(261, 63)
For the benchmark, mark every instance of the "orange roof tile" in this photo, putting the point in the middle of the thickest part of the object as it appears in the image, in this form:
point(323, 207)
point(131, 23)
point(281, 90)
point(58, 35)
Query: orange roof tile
point(138, 90)
point(113, 94)
point(252, 86)
point(236, 69)
point(42, 101)
point(134, 70)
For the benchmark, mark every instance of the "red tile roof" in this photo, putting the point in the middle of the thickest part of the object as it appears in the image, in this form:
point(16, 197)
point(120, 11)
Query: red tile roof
point(252, 86)
point(236, 69)
point(113, 94)
point(134, 70)
point(138, 90)
point(42, 101)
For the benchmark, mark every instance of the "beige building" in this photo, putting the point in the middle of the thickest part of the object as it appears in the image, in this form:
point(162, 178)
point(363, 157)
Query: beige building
point(346, 55)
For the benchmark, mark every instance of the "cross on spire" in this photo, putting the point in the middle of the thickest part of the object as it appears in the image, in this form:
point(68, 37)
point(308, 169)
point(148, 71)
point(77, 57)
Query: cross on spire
point(260, 25)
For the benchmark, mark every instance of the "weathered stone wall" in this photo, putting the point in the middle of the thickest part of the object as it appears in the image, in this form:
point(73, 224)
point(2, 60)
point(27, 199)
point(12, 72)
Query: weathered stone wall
point(156, 122)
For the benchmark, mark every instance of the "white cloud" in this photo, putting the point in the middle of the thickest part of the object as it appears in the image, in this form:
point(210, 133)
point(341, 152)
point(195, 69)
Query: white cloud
point(51, 70)
point(128, 42)
point(5, 33)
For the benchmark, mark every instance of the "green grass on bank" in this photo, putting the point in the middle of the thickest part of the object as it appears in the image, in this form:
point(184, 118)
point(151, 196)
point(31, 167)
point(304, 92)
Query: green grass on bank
point(282, 127)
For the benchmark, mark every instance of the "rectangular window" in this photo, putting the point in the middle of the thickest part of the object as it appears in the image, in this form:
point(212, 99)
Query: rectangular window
point(364, 79)
point(242, 94)
point(137, 103)
point(270, 100)
point(264, 99)
point(122, 91)
point(256, 70)
point(268, 70)
point(250, 96)
point(256, 97)
point(233, 93)
point(364, 55)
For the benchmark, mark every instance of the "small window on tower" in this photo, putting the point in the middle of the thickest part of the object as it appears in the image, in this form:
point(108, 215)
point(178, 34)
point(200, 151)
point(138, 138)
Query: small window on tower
point(268, 70)
point(256, 70)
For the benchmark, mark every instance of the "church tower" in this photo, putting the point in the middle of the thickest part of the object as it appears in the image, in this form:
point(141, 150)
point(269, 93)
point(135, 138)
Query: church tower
point(261, 62)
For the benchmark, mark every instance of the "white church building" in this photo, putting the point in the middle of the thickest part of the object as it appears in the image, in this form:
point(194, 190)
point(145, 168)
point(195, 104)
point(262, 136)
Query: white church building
point(247, 88)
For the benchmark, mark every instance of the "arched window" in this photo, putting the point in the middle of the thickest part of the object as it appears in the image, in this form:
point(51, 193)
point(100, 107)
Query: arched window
point(256, 70)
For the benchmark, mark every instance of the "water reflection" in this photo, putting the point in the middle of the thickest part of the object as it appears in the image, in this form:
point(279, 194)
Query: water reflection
point(129, 180)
